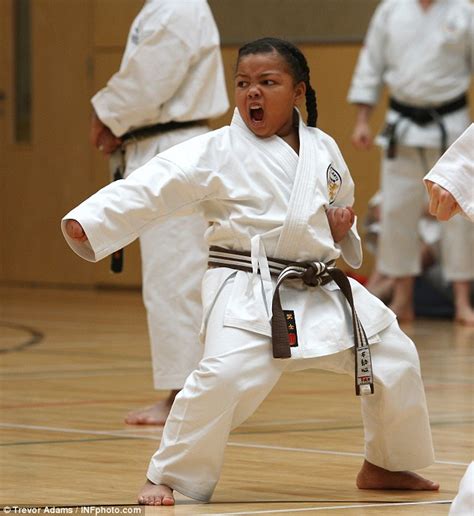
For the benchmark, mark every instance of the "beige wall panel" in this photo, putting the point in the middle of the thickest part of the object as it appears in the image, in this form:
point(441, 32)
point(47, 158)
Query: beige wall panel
point(44, 185)
point(301, 21)
point(75, 51)
point(112, 19)
point(6, 90)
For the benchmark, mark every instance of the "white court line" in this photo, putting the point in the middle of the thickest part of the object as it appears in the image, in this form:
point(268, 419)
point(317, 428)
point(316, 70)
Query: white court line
point(110, 433)
point(290, 422)
point(156, 437)
point(329, 508)
point(285, 448)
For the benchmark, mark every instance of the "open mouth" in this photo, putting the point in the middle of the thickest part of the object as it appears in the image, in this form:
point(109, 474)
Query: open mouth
point(256, 114)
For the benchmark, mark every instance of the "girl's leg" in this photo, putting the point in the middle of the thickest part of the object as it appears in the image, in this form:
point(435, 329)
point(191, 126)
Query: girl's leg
point(235, 375)
point(396, 422)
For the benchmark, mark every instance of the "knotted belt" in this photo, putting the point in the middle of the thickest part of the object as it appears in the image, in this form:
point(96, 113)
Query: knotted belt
point(312, 274)
point(422, 117)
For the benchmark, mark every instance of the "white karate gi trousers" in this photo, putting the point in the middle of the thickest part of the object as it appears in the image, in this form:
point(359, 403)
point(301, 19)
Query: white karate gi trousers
point(238, 371)
point(172, 249)
point(404, 198)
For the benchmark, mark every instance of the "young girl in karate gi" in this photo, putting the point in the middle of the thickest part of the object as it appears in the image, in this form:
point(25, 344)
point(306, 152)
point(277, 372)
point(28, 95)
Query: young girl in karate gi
point(273, 189)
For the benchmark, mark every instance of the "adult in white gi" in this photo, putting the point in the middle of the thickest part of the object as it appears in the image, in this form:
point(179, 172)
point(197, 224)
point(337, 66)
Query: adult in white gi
point(423, 50)
point(269, 185)
point(171, 71)
point(451, 188)
point(451, 181)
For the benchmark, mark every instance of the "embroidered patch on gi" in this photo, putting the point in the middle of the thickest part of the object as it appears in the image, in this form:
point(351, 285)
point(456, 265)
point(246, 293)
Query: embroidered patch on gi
point(291, 326)
point(334, 183)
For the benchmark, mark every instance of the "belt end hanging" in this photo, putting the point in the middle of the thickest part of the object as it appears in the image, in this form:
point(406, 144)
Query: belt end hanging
point(365, 389)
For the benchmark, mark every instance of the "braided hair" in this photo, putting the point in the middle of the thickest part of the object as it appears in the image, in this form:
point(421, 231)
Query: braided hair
point(295, 60)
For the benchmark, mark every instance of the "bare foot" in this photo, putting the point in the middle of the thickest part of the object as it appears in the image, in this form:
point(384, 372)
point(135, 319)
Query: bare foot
point(155, 494)
point(373, 477)
point(154, 414)
point(465, 316)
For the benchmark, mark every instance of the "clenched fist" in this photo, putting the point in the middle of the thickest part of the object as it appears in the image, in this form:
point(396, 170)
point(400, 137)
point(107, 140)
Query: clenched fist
point(340, 221)
point(75, 231)
point(442, 204)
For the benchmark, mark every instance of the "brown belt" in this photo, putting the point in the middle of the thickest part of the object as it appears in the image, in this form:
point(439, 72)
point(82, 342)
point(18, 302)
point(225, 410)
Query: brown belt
point(312, 274)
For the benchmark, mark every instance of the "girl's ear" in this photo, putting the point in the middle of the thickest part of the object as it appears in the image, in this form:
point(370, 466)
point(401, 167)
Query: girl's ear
point(300, 92)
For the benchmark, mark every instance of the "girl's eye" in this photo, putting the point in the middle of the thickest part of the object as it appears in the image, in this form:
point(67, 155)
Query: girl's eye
point(242, 84)
point(268, 82)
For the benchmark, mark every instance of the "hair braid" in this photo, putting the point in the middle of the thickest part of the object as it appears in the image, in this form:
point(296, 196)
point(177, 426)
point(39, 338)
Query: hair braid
point(298, 66)
point(311, 104)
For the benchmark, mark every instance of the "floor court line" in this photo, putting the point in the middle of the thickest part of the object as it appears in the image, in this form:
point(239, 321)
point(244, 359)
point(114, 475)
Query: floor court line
point(156, 437)
point(331, 508)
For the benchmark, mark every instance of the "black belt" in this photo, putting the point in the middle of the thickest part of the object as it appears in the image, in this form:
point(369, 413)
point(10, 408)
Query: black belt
point(151, 130)
point(312, 274)
point(422, 116)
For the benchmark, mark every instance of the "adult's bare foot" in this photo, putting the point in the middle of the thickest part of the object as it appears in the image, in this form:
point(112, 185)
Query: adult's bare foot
point(373, 477)
point(154, 414)
point(155, 494)
point(465, 316)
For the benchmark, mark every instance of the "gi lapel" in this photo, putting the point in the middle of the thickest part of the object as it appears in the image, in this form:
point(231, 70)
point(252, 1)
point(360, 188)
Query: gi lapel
point(303, 195)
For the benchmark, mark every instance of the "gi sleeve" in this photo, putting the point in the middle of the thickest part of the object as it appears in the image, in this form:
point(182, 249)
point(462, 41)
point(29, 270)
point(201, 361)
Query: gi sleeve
point(367, 80)
point(454, 171)
point(148, 77)
point(118, 213)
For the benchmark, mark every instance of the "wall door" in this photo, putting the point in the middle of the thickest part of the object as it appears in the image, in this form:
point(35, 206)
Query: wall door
point(52, 60)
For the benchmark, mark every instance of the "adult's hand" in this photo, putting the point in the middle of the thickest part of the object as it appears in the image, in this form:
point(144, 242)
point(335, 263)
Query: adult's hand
point(442, 203)
point(101, 137)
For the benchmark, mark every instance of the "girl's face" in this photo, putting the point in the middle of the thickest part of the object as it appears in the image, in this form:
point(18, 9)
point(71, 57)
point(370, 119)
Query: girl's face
point(265, 94)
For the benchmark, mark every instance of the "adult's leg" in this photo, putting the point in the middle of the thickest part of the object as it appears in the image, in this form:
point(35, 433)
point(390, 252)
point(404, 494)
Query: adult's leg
point(399, 246)
point(233, 378)
point(174, 259)
point(457, 245)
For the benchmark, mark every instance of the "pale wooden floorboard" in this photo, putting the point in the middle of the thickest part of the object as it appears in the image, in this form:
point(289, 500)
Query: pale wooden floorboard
point(63, 399)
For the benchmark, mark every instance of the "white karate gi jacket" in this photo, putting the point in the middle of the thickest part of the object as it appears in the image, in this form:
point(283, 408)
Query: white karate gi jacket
point(259, 196)
point(425, 58)
point(455, 171)
point(182, 81)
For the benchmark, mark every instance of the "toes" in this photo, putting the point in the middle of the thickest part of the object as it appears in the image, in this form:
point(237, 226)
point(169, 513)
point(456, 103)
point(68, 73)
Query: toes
point(151, 500)
point(168, 500)
point(434, 486)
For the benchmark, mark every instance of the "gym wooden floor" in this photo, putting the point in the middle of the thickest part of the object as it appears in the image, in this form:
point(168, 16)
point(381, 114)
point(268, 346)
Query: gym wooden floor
point(74, 362)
